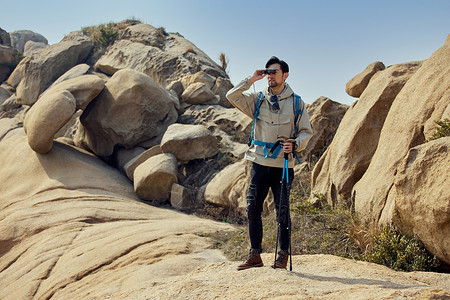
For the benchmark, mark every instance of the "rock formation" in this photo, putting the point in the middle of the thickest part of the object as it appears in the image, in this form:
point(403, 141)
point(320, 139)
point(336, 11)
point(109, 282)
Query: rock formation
point(89, 132)
point(366, 164)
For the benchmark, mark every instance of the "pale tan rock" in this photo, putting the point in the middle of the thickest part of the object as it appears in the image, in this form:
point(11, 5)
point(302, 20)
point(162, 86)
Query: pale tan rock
point(78, 231)
point(356, 139)
point(228, 188)
point(20, 38)
point(188, 142)
point(6, 125)
point(153, 178)
point(131, 165)
point(73, 72)
point(177, 87)
point(425, 94)
point(325, 116)
point(132, 108)
point(356, 86)
point(123, 156)
point(47, 117)
point(39, 70)
point(7, 60)
point(84, 88)
point(181, 198)
point(31, 46)
point(164, 58)
point(220, 88)
point(199, 93)
point(421, 196)
point(201, 76)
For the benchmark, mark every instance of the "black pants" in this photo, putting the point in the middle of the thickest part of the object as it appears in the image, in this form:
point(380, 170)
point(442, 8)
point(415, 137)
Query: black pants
point(261, 179)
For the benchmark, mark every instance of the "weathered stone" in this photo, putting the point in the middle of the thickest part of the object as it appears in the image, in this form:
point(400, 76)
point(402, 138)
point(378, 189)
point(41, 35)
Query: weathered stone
point(20, 37)
point(84, 88)
point(132, 108)
point(132, 164)
point(123, 156)
point(4, 95)
point(325, 116)
point(181, 197)
point(6, 125)
point(164, 57)
point(228, 187)
point(5, 39)
point(47, 117)
point(153, 178)
point(39, 70)
point(421, 195)
point(356, 139)
point(177, 87)
point(199, 93)
point(356, 86)
point(220, 88)
point(78, 231)
point(423, 99)
point(201, 76)
point(188, 142)
point(7, 61)
point(75, 71)
point(31, 46)
point(229, 125)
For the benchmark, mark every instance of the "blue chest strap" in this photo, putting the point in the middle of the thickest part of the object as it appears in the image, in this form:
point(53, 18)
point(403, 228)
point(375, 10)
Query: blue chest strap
point(274, 147)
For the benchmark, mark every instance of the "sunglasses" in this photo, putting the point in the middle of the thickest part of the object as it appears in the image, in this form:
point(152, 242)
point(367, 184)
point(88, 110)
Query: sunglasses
point(269, 71)
point(275, 105)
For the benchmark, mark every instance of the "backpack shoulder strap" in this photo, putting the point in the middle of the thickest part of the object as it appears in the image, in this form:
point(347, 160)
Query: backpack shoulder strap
point(255, 115)
point(298, 110)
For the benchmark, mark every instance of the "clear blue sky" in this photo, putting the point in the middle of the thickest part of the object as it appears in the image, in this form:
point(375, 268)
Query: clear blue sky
point(324, 42)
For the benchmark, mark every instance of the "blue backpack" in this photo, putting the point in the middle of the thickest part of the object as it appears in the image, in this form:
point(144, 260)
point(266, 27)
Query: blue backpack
point(274, 147)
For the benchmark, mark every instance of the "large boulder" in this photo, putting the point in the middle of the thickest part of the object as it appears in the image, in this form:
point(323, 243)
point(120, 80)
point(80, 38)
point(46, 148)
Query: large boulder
point(165, 57)
point(73, 72)
point(229, 125)
point(32, 46)
point(8, 61)
point(153, 179)
point(424, 99)
point(73, 228)
point(420, 196)
point(84, 88)
point(133, 163)
point(356, 86)
point(5, 39)
point(20, 37)
point(325, 116)
point(356, 139)
point(189, 142)
point(47, 117)
point(199, 93)
point(38, 71)
point(132, 108)
point(228, 187)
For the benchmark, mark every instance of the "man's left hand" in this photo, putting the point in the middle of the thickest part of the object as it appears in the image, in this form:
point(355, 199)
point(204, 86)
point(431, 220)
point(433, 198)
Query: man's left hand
point(288, 147)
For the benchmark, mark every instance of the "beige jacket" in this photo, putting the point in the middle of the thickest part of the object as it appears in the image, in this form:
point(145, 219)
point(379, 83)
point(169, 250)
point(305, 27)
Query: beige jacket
point(271, 124)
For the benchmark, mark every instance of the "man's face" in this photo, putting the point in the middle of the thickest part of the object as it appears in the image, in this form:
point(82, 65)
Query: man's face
point(278, 78)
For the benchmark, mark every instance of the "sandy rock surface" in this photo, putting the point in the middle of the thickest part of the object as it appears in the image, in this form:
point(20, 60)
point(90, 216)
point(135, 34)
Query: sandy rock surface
point(313, 277)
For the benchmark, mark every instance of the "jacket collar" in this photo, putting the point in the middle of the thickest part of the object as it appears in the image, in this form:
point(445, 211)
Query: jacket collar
point(286, 93)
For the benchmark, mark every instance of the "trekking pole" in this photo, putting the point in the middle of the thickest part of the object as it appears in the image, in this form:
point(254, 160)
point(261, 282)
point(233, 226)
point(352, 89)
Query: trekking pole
point(284, 194)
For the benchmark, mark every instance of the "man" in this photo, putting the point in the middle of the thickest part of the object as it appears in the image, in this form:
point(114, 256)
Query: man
point(275, 119)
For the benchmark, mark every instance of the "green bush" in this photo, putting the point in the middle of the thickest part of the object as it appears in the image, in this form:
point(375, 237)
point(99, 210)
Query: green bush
point(442, 130)
point(399, 252)
point(108, 34)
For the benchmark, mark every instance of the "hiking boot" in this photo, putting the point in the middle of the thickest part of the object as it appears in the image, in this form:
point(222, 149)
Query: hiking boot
point(282, 260)
point(253, 260)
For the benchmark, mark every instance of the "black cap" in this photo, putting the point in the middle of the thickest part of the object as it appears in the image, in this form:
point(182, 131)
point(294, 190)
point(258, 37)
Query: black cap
point(276, 60)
